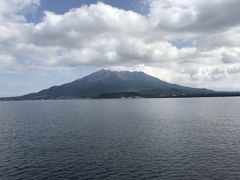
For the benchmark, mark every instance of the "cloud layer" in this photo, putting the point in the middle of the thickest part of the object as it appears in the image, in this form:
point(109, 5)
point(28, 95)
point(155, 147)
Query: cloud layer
point(188, 42)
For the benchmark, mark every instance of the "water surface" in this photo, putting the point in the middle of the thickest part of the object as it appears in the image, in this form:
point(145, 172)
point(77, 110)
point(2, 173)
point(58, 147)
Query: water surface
point(120, 139)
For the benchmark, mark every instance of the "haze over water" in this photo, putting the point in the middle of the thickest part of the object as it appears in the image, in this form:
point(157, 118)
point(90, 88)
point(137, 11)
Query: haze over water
point(120, 139)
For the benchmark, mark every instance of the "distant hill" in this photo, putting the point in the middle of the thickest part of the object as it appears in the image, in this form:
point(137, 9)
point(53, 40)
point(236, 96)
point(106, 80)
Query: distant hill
point(114, 84)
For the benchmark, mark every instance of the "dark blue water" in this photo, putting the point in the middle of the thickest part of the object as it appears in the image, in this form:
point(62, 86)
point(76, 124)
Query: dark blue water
point(121, 139)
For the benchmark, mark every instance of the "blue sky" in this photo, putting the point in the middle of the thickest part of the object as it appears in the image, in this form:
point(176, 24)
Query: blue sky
point(64, 6)
point(51, 42)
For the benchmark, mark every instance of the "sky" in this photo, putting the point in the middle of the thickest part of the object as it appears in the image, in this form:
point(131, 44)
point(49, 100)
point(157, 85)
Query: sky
point(51, 42)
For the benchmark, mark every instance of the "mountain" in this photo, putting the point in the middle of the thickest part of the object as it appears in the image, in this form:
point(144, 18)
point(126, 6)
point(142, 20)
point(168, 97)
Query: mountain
point(113, 84)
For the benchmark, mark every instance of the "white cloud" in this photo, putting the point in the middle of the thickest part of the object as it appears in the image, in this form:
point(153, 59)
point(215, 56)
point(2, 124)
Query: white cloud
point(16, 6)
point(6, 61)
point(102, 36)
point(195, 15)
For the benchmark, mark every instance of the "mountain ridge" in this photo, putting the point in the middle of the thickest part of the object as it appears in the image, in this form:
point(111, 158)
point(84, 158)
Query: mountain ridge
point(118, 84)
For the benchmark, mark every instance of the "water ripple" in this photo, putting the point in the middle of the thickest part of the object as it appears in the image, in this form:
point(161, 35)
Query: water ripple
point(130, 139)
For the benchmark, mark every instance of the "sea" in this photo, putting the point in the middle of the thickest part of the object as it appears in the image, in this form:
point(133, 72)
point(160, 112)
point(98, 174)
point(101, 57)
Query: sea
point(188, 138)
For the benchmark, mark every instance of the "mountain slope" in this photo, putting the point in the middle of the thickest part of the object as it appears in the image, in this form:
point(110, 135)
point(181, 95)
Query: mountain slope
point(104, 82)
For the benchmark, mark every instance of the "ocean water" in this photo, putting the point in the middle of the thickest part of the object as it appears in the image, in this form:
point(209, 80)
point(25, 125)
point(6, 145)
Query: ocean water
point(195, 138)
